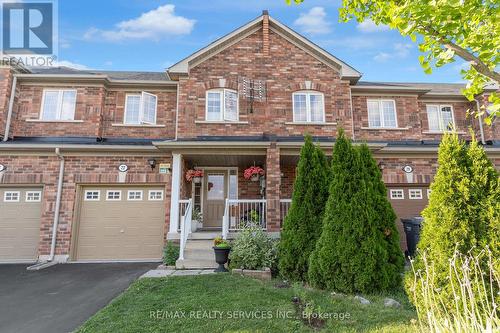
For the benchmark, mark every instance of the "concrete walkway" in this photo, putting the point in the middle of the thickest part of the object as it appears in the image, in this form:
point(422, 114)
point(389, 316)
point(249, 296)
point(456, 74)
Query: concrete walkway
point(159, 273)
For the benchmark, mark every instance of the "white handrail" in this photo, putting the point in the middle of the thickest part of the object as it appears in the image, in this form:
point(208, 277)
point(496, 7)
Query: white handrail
point(225, 220)
point(185, 227)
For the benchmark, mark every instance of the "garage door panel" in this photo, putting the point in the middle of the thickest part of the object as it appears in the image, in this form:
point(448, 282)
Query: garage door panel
point(121, 229)
point(19, 224)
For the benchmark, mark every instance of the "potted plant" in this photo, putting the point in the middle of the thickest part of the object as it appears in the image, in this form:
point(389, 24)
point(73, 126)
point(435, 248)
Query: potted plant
point(253, 173)
point(196, 220)
point(221, 249)
point(194, 176)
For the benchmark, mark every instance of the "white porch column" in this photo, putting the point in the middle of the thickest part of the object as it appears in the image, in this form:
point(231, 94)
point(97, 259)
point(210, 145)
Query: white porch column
point(175, 193)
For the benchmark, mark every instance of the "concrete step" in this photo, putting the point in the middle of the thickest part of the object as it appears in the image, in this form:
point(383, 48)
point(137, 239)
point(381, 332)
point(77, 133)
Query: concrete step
point(195, 264)
point(205, 235)
point(199, 244)
point(199, 254)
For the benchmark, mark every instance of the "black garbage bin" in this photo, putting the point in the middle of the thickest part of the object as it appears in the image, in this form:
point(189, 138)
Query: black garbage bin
point(412, 230)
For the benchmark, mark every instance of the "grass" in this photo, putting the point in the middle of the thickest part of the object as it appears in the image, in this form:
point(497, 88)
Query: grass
point(254, 303)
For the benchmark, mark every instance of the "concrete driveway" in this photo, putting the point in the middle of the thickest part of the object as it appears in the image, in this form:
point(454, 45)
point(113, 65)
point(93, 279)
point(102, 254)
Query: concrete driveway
point(62, 297)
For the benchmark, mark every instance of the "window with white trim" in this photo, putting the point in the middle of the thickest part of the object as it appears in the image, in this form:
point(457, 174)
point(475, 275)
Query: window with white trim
point(134, 195)
point(140, 109)
point(415, 194)
point(440, 117)
point(33, 196)
point(428, 193)
point(308, 107)
point(92, 195)
point(382, 113)
point(155, 195)
point(222, 105)
point(397, 194)
point(58, 105)
point(11, 196)
point(113, 195)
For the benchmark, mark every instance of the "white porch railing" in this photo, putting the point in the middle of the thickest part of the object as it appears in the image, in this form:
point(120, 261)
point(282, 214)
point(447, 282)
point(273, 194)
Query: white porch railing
point(284, 207)
point(187, 215)
point(242, 212)
point(183, 203)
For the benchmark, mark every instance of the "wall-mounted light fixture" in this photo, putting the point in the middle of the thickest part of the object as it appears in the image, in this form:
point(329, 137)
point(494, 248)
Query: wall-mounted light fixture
point(152, 163)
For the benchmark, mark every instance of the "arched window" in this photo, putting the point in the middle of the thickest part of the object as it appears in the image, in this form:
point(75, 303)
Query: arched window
point(308, 107)
point(222, 105)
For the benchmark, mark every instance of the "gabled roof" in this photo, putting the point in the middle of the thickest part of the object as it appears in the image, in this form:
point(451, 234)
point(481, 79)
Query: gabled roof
point(346, 71)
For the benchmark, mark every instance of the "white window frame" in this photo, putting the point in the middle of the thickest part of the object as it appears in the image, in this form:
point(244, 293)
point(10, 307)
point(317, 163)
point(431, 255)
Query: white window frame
point(59, 104)
point(428, 193)
point(141, 120)
point(86, 198)
point(394, 191)
point(415, 194)
point(28, 193)
point(155, 191)
point(222, 96)
point(381, 112)
point(10, 193)
point(308, 93)
point(135, 191)
point(108, 192)
point(440, 118)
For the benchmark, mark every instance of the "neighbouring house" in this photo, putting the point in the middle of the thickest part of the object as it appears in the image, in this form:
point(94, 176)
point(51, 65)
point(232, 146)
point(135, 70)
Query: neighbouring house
point(98, 159)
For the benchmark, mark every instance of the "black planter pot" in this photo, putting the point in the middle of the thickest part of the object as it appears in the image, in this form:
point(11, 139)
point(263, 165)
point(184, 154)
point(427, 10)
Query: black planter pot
point(221, 257)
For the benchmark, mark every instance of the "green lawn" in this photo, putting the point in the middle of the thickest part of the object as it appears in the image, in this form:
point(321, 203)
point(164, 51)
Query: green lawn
point(226, 303)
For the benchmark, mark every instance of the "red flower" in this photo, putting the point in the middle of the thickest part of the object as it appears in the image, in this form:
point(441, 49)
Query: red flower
point(190, 174)
point(254, 170)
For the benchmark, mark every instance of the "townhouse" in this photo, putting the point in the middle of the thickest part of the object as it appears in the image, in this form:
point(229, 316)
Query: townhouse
point(93, 164)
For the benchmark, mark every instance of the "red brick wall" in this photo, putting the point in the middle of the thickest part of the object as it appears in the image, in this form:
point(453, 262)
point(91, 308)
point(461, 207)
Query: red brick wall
point(285, 71)
point(287, 180)
point(43, 170)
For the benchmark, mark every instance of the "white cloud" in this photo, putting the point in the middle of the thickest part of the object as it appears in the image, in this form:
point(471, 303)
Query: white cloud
point(369, 26)
point(153, 25)
point(314, 21)
point(399, 51)
point(65, 63)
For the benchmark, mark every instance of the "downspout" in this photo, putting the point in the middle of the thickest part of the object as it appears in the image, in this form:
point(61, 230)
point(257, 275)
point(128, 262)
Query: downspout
point(9, 112)
point(177, 111)
point(481, 129)
point(58, 204)
point(352, 115)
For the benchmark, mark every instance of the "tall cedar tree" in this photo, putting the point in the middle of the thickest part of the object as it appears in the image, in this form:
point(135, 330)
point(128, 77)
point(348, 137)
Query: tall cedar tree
point(463, 211)
point(357, 250)
point(302, 226)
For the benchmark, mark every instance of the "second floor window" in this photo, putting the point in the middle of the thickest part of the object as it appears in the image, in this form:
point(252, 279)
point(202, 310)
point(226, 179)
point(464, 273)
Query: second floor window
point(382, 113)
point(440, 117)
point(140, 109)
point(308, 106)
point(222, 105)
point(58, 105)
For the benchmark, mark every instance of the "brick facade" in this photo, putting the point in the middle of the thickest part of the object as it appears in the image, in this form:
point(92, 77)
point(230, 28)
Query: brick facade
point(264, 54)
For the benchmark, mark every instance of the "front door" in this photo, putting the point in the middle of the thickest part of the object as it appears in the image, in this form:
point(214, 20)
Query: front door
point(215, 197)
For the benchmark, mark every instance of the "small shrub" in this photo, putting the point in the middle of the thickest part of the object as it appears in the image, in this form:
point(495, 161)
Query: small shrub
point(253, 249)
point(473, 306)
point(170, 253)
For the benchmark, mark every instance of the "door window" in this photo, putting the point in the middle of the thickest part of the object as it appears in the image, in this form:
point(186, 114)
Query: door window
point(215, 187)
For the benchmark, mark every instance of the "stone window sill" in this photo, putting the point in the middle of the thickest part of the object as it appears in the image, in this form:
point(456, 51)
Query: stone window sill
point(137, 125)
point(440, 132)
point(385, 128)
point(221, 122)
point(305, 123)
point(53, 121)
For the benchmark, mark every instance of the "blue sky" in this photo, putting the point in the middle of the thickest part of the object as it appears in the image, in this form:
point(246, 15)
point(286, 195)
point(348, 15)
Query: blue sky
point(151, 35)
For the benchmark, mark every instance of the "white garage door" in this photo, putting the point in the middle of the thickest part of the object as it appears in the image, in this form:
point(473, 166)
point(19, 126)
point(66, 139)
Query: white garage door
point(121, 223)
point(20, 212)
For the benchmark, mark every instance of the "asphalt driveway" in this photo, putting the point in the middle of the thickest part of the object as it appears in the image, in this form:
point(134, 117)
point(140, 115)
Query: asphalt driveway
point(62, 297)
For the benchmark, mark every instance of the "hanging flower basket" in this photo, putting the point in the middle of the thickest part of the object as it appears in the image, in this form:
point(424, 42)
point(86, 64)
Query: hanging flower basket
point(194, 176)
point(253, 173)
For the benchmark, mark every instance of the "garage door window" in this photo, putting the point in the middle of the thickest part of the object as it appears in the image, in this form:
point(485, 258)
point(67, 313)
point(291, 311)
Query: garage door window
point(155, 195)
point(397, 194)
point(134, 195)
point(33, 196)
point(92, 195)
point(11, 196)
point(415, 194)
point(114, 195)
